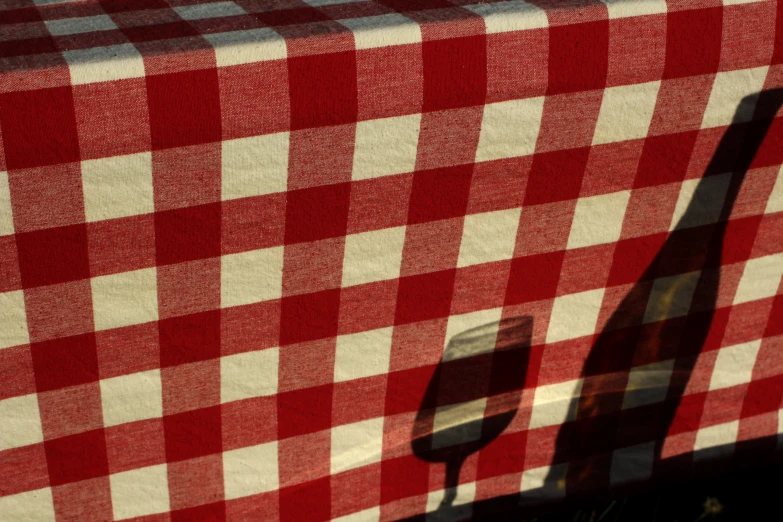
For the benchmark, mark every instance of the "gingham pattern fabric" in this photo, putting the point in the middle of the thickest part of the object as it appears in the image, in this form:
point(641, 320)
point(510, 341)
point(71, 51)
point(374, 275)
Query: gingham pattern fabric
point(236, 236)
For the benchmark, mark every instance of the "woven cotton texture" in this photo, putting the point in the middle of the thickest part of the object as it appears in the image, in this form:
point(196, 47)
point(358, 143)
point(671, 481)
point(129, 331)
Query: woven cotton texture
point(257, 256)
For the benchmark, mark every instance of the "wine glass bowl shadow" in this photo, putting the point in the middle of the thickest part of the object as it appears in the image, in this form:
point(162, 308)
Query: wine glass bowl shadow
point(473, 395)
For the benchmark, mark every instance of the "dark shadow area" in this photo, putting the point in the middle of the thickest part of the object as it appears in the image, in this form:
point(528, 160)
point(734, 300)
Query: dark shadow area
point(472, 397)
point(659, 330)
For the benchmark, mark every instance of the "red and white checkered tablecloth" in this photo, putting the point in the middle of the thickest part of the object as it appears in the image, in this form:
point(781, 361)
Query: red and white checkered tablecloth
point(294, 259)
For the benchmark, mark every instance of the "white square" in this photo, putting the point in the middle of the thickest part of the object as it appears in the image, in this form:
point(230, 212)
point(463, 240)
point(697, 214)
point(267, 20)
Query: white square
point(504, 17)
point(356, 445)
point(13, 320)
point(104, 64)
point(471, 334)
point(251, 277)
point(488, 237)
point(629, 8)
point(458, 423)
point(574, 315)
point(368, 515)
point(632, 464)
point(728, 90)
point(648, 384)
point(598, 219)
point(125, 299)
point(21, 422)
point(626, 112)
point(555, 403)
point(509, 129)
point(202, 11)
point(671, 297)
point(544, 482)
point(118, 187)
point(362, 354)
point(87, 24)
point(774, 202)
point(734, 365)
point(760, 278)
point(30, 506)
point(249, 46)
point(720, 436)
point(133, 397)
point(383, 31)
point(140, 492)
point(249, 374)
point(255, 166)
point(251, 470)
point(386, 146)
point(373, 256)
point(6, 214)
point(700, 201)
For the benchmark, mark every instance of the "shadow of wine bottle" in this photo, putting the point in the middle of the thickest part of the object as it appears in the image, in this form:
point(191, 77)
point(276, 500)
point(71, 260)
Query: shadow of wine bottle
point(472, 397)
point(664, 320)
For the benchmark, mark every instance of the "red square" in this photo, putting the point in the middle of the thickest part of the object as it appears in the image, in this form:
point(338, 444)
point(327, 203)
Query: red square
point(190, 338)
point(65, 362)
point(190, 386)
point(249, 422)
point(480, 287)
point(127, 350)
point(347, 498)
point(763, 396)
point(665, 159)
point(405, 389)
point(85, 501)
point(504, 455)
point(184, 108)
point(187, 234)
point(298, 360)
point(73, 305)
point(253, 223)
point(51, 256)
point(188, 288)
point(196, 482)
point(425, 296)
point(738, 239)
point(312, 267)
point(16, 372)
point(304, 458)
point(147, 439)
point(775, 323)
point(359, 399)
point(310, 77)
point(301, 14)
point(628, 66)
point(308, 317)
point(368, 306)
point(693, 42)
point(192, 434)
point(309, 501)
point(254, 99)
point(431, 246)
point(10, 278)
point(304, 411)
point(70, 410)
point(509, 53)
point(770, 153)
point(77, 457)
point(389, 81)
point(47, 197)
point(748, 35)
point(320, 156)
point(455, 73)
point(585, 269)
point(556, 176)
point(578, 57)
point(534, 278)
point(250, 328)
point(39, 127)
point(440, 194)
point(121, 6)
point(121, 245)
point(27, 465)
point(186, 176)
point(403, 477)
point(124, 103)
point(379, 203)
point(166, 31)
point(632, 258)
point(317, 213)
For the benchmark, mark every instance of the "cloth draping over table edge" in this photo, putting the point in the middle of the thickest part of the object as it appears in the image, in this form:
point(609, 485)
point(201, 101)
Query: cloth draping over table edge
point(256, 257)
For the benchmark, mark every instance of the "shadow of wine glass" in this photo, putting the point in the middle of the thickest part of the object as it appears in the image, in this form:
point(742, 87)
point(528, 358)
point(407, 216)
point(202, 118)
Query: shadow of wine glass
point(472, 397)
